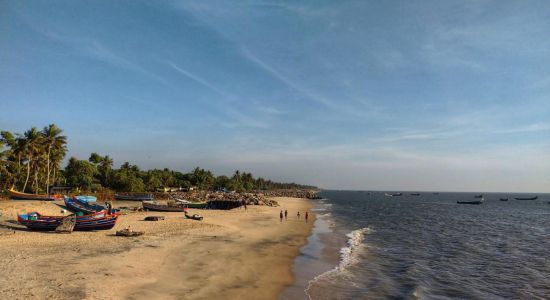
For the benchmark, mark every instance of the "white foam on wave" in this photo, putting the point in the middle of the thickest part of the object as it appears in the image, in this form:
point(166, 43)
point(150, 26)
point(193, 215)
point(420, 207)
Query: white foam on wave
point(318, 209)
point(348, 255)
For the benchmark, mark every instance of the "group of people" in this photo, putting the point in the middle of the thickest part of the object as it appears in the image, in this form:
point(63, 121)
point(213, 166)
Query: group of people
point(285, 215)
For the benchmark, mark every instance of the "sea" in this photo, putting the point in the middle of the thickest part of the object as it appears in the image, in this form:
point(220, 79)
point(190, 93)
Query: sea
point(366, 245)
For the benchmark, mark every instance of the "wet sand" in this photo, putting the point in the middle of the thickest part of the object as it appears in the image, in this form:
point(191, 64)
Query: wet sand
point(231, 254)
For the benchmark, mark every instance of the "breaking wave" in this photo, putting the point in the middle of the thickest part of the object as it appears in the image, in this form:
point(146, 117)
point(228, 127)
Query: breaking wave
point(348, 256)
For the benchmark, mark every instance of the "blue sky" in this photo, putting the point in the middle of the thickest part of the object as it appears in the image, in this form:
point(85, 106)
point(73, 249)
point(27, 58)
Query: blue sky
point(413, 95)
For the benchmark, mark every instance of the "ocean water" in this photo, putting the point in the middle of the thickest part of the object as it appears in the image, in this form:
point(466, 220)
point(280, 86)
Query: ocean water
point(369, 246)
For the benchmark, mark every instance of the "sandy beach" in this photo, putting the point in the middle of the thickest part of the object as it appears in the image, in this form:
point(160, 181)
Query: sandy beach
point(231, 254)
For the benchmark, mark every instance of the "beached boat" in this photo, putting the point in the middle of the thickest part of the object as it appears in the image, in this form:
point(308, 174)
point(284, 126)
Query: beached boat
point(194, 217)
point(529, 198)
point(471, 201)
point(136, 197)
point(97, 221)
point(24, 196)
point(197, 205)
point(162, 207)
point(154, 206)
point(77, 205)
point(84, 198)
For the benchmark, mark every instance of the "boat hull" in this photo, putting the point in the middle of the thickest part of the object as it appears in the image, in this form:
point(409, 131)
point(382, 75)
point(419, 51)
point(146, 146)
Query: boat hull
point(470, 202)
point(530, 198)
point(15, 195)
point(98, 221)
point(75, 205)
point(133, 197)
point(165, 208)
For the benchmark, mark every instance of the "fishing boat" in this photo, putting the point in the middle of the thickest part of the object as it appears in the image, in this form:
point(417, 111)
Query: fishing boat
point(194, 217)
point(97, 221)
point(471, 201)
point(393, 194)
point(24, 196)
point(76, 205)
point(163, 207)
point(415, 194)
point(478, 196)
point(179, 207)
point(136, 197)
point(529, 198)
point(197, 205)
point(435, 193)
point(503, 199)
point(86, 199)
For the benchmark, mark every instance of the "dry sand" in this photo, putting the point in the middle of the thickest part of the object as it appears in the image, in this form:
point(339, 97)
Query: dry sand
point(232, 254)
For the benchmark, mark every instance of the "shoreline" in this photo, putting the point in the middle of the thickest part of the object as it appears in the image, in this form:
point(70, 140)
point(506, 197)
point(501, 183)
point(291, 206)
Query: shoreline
point(321, 254)
point(232, 253)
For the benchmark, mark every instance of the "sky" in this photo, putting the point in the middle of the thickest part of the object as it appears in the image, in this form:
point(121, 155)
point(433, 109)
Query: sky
point(367, 95)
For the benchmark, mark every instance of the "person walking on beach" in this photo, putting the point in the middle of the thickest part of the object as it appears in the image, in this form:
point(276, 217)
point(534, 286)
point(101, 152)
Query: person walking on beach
point(286, 214)
point(281, 215)
point(307, 215)
point(298, 214)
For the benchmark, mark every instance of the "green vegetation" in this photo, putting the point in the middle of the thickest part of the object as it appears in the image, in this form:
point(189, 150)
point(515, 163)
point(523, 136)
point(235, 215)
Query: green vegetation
point(31, 162)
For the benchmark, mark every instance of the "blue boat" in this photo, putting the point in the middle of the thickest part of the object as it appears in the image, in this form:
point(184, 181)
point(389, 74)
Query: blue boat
point(87, 199)
point(76, 205)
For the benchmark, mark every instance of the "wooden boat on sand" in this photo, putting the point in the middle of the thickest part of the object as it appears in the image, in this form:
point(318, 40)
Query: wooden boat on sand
point(194, 217)
point(76, 205)
point(136, 197)
point(24, 196)
point(163, 207)
point(97, 221)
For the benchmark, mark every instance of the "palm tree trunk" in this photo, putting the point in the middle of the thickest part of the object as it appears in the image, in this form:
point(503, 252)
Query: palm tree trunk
point(48, 173)
point(53, 174)
point(28, 173)
point(36, 171)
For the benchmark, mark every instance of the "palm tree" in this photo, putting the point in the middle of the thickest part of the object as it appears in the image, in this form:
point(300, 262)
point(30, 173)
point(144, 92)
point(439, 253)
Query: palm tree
point(53, 140)
point(31, 141)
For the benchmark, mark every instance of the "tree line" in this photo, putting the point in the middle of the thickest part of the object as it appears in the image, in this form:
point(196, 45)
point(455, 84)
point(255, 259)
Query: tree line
point(31, 162)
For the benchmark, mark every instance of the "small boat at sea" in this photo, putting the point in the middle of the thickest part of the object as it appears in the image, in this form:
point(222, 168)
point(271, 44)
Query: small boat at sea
point(415, 194)
point(471, 201)
point(24, 196)
point(135, 197)
point(528, 198)
point(503, 199)
point(435, 193)
point(478, 196)
point(97, 221)
point(393, 194)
